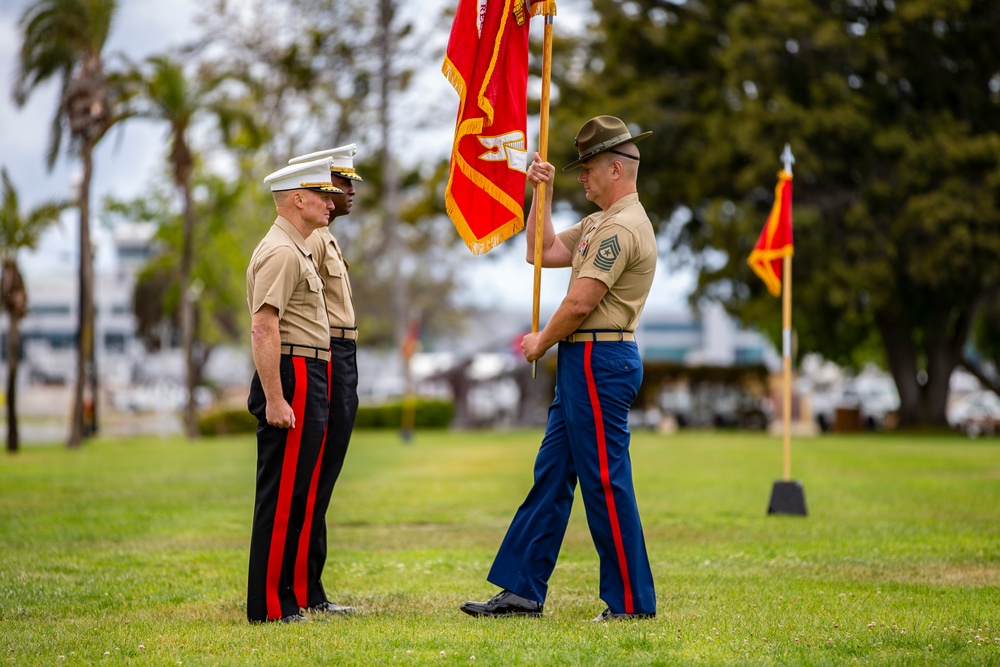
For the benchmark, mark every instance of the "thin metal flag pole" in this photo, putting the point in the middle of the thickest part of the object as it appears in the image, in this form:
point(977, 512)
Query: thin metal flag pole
point(543, 151)
point(786, 340)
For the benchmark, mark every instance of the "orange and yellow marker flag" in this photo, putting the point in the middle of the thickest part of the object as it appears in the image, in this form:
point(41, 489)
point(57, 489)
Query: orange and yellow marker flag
point(775, 240)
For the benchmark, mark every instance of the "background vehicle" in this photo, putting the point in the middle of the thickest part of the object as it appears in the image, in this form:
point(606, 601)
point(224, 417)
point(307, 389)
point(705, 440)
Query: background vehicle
point(875, 396)
point(976, 413)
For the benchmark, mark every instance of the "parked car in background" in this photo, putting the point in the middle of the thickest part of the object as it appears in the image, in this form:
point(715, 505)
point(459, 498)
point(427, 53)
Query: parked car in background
point(872, 395)
point(715, 405)
point(875, 397)
point(976, 413)
point(823, 403)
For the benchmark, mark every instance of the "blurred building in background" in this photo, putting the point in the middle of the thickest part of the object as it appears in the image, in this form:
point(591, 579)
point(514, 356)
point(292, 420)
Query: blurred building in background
point(131, 379)
point(701, 369)
point(49, 330)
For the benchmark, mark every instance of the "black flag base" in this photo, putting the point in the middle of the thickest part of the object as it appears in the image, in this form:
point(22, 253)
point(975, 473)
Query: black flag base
point(787, 498)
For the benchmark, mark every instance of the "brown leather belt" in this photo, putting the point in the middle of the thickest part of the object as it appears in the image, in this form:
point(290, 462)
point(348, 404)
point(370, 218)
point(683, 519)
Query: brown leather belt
point(306, 351)
point(344, 332)
point(599, 337)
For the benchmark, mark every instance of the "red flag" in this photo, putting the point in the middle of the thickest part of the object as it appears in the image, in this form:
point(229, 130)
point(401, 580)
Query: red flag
point(775, 240)
point(487, 63)
point(411, 341)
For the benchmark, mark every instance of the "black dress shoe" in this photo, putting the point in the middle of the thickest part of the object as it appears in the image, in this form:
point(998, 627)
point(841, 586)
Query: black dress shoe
point(330, 608)
point(504, 603)
point(608, 615)
point(293, 618)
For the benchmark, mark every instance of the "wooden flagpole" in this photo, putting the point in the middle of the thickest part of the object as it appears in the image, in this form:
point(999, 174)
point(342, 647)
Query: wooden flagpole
point(786, 354)
point(543, 151)
point(787, 496)
point(786, 340)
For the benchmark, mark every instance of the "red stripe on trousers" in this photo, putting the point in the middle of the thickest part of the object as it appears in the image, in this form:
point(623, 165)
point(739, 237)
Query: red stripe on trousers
point(285, 488)
point(302, 556)
point(602, 453)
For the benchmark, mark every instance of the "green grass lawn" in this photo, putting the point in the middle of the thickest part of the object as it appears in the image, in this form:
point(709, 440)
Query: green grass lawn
point(135, 551)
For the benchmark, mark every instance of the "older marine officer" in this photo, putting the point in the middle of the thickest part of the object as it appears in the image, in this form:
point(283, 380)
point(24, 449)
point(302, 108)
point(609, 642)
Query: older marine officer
point(288, 393)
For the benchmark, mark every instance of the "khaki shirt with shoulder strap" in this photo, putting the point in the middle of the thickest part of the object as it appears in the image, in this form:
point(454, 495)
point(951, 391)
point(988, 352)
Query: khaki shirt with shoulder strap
point(282, 274)
point(332, 269)
point(617, 247)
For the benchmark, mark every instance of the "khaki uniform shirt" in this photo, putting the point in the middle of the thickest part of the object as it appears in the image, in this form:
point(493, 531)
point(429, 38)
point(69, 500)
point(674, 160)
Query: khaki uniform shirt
point(336, 284)
point(617, 247)
point(282, 274)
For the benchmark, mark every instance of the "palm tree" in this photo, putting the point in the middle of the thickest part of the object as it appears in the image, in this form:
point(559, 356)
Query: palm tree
point(65, 39)
point(18, 231)
point(166, 94)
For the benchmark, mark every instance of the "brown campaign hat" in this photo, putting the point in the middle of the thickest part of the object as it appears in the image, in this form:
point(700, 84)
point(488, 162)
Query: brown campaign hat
point(600, 134)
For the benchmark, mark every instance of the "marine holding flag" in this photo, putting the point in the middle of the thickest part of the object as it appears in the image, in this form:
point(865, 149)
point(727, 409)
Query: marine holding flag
point(613, 257)
point(487, 63)
point(775, 240)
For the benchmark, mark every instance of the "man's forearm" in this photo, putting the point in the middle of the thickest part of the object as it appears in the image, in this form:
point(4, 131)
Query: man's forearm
point(564, 321)
point(582, 299)
point(266, 346)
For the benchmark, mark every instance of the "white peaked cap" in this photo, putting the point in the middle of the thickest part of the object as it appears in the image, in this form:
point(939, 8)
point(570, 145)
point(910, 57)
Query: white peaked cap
point(312, 175)
point(343, 160)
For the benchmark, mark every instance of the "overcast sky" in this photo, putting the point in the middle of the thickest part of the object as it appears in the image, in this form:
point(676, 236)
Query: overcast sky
point(127, 160)
point(124, 161)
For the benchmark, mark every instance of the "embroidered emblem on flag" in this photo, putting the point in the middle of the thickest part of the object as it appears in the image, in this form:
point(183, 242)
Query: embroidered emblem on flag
point(607, 253)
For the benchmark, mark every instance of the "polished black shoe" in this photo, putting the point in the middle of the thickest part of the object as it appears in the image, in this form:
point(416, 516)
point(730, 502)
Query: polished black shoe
point(608, 615)
point(504, 603)
point(330, 608)
point(293, 618)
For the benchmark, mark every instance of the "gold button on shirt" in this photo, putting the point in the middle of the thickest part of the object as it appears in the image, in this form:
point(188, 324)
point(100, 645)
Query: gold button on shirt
point(282, 274)
point(332, 269)
point(617, 247)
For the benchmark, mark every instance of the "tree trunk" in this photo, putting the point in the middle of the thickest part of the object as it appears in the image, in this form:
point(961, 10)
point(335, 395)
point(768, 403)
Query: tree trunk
point(390, 186)
point(13, 362)
point(941, 361)
point(458, 380)
point(82, 422)
point(15, 302)
point(187, 298)
point(901, 355)
point(923, 401)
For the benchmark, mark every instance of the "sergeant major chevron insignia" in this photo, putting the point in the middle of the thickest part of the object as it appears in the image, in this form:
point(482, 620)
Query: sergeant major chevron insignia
point(607, 253)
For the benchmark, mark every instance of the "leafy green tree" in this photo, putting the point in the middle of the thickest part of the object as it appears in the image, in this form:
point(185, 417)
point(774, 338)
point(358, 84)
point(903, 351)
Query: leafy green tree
point(65, 39)
point(891, 111)
point(18, 231)
point(218, 270)
point(164, 92)
point(340, 78)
